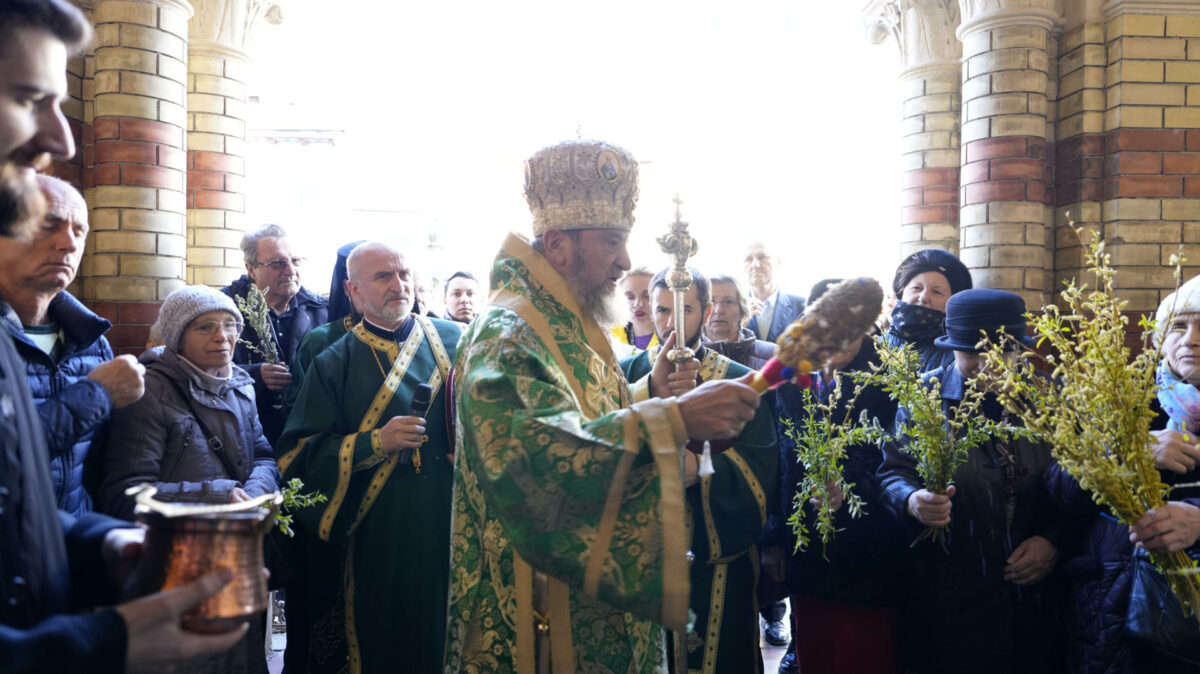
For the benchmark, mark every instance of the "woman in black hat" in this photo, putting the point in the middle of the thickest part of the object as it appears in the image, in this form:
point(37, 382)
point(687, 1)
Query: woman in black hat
point(924, 282)
point(992, 603)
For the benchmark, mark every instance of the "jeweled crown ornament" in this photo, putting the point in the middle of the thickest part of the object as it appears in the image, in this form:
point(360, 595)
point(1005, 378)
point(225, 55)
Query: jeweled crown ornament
point(581, 184)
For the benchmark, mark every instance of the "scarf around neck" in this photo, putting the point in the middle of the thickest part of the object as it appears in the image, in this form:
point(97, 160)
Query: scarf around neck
point(1179, 399)
point(915, 323)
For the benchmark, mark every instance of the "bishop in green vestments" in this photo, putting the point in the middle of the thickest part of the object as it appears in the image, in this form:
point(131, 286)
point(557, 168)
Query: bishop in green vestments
point(387, 474)
point(568, 548)
point(726, 510)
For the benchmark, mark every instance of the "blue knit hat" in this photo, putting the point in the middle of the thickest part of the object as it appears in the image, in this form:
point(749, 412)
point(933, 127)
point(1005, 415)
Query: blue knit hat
point(983, 310)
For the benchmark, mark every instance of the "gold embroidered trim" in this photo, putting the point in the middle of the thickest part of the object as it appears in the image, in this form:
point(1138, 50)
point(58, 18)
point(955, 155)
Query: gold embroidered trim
point(716, 609)
point(710, 526)
point(760, 496)
point(345, 468)
point(608, 520)
point(655, 416)
point(284, 462)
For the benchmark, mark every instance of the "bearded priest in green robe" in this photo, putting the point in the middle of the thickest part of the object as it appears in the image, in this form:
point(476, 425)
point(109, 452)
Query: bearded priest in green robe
point(569, 549)
point(387, 472)
point(727, 510)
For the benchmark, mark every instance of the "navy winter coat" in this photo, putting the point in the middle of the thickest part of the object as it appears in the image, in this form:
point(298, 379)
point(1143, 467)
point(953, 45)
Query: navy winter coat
point(306, 311)
point(73, 408)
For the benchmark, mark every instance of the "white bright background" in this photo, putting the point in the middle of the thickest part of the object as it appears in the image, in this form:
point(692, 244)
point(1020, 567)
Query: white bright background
point(773, 120)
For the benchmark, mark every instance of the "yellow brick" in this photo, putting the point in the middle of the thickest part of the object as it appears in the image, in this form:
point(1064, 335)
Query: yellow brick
point(1072, 39)
point(150, 265)
point(173, 20)
point(1193, 95)
point(215, 276)
point(151, 85)
point(1009, 59)
point(1155, 276)
point(73, 108)
point(239, 70)
point(170, 113)
point(107, 81)
point(1183, 26)
point(99, 264)
point(1133, 116)
point(152, 39)
point(152, 221)
point(111, 11)
point(1193, 50)
point(1136, 254)
point(1183, 71)
point(1019, 80)
point(89, 67)
point(104, 218)
point(918, 106)
point(208, 123)
point(996, 104)
point(1088, 99)
point(120, 58)
point(1084, 78)
point(934, 121)
point(206, 257)
point(205, 142)
point(107, 35)
point(1017, 256)
point(205, 64)
point(213, 84)
point(204, 217)
point(172, 69)
point(1015, 211)
point(1001, 278)
point(125, 105)
point(1181, 118)
point(1019, 125)
point(125, 242)
point(976, 43)
point(1009, 37)
point(1152, 48)
point(216, 238)
point(1136, 24)
point(939, 158)
point(1131, 209)
point(1140, 71)
point(975, 130)
point(976, 87)
point(1088, 55)
point(172, 245)
point(121, 288)
point(993, 235)
point(206, 103)
point(1180, 209)
point(1147, 94)
point(168, 286)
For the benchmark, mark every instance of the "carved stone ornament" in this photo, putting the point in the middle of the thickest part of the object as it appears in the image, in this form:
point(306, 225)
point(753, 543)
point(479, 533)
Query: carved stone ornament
point(923, 29)
point(1115, 8)
point(230, 22)
point(987, 14)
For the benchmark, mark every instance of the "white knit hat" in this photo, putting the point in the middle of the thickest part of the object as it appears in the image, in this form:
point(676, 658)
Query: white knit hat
point(1186, 300)
point(184, 305)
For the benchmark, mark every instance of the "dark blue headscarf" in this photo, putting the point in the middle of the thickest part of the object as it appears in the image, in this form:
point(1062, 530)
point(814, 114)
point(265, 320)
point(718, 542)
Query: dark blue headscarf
point(339, 302)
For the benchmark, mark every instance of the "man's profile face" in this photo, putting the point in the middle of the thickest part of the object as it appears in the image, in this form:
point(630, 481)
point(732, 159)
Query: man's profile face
point(461, 295)
point(47, 262)
point(275, 269)
point(664, 310)
point(382, 287)
point(33, 83)
point(601, 258)
point(759, 266)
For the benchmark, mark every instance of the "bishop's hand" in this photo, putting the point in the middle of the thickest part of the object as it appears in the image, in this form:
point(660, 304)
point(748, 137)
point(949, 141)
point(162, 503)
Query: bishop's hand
point(718, 409)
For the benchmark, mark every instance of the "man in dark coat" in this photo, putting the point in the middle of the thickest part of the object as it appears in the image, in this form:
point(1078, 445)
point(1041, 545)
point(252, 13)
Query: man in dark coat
point(273, 268)
point(51, 564)
point(779, 309)
point(72, 374)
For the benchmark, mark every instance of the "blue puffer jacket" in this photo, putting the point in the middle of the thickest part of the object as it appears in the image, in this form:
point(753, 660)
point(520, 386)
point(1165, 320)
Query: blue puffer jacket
point(72, 407)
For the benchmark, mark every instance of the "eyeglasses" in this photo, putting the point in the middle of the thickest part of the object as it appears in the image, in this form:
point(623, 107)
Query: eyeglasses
point(281, 263)
point(209, 328)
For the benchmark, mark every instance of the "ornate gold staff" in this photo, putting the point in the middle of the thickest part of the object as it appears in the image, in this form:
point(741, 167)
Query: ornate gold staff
point(679, 246)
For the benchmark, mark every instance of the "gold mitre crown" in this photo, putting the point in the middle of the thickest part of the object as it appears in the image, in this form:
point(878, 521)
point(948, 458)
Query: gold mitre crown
point(581, 184)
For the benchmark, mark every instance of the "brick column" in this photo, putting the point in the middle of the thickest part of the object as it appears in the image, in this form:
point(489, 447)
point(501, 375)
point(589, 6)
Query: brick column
point(134, 168)
point(932, 102)
point(1152, 132)
point(216, 136)
point(1004, 214)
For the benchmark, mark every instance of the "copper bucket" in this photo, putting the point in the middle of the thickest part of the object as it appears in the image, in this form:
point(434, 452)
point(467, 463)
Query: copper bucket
point(185, 542)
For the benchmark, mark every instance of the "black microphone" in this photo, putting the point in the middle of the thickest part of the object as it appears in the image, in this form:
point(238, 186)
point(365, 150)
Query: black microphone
point(422, 397)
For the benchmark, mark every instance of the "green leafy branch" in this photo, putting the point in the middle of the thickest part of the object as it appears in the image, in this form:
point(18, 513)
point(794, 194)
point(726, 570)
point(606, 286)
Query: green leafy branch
point(258, 317)
point(293, 500)
point(821, 446)
point(938, 442)
point(1097, 413)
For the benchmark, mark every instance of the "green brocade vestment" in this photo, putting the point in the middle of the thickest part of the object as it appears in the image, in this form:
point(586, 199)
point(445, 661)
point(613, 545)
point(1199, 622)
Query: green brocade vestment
point(384, 609)
point(568, 531)
point(726, 513)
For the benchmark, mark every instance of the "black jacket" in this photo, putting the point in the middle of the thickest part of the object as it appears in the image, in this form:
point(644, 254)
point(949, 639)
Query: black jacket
point(962, 614)
point(72, 407)
point(50, 563)
point(305, 312)
point(746, 350)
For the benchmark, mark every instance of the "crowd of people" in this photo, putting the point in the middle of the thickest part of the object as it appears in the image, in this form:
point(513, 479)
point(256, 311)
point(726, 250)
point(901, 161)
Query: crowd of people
point(531, 481)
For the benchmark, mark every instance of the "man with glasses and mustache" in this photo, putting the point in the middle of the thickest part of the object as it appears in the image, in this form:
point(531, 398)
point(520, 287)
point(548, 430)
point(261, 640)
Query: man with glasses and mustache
point(568, 544)
point(274, 269)
point(52, 564)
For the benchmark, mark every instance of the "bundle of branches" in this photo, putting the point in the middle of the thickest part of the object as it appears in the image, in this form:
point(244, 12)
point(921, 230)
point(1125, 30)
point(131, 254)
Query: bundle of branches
point(821, 445)
point(294, 500)
point(940, 444)
point(254, 307)
point(1096, 414)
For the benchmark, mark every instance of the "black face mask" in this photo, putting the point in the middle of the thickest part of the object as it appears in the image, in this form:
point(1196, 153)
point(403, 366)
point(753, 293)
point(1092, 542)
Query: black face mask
point(915, 323)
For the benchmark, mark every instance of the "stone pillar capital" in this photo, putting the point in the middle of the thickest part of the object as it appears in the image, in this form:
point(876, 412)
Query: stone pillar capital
point(1114, 8)
point(923, 29)
point(230, 22)
point(979, 15)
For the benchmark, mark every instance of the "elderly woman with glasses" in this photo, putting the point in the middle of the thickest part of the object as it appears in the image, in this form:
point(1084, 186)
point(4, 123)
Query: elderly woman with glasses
point(195, 435)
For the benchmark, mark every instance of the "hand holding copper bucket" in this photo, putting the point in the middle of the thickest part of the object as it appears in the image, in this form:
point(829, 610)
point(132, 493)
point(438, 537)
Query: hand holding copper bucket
point(186, 541)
